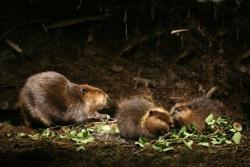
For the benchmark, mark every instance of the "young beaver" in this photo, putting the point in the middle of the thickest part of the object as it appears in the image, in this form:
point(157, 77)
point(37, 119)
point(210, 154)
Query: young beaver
point(196, 111)
point(49, 99)
point(137, 117)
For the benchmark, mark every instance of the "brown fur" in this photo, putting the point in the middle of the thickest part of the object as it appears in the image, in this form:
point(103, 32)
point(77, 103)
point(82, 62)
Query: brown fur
point(49, 99)
point(137, 117)
point(196, 111)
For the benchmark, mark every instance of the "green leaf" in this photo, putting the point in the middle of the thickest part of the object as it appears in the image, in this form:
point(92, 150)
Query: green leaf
point(62, 136)
point(142, 142)
point(157, 147)
point(76, 139)
point(48, 133)
point(34, 137)
point(80, 148)
point(237, 137)
point(106, 128)
point(45, 133)
point(209, 119)
point(168, 149)
point(233, 130)
point(72, 133)
point(83, 133)
point(88, 140)
point(221, 121)
point(205, 144)
point(189, 144)
point(228, 142)
point(8, 134)
point(218, 140)
point(215, 142)
point(117, 130)
point(183, 132)
point(211, 123)
point(21, 135)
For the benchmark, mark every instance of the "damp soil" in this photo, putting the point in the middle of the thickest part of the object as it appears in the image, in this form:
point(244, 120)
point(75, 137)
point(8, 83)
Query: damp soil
point(112, 151)
point(176, 66)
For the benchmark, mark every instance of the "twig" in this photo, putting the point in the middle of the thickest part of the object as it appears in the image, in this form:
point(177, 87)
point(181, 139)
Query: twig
point(152, 143)
point(211, 92)
point(61, 126)
point(69, 22)
point(79, 6)
point(178, 98)
point(6, 33)
point(107, 122)
point(178, 31)
point(138, 76)
point(137, 42)
point(185, 55)
point(245, 56)
point(144, 148)
point(13, 45)
point(146, 82)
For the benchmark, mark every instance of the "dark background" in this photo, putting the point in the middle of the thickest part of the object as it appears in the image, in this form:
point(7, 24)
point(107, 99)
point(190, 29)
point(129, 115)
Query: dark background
point(214, 51)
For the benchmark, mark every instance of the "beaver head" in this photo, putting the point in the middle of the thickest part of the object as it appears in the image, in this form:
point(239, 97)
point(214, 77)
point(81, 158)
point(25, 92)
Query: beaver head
point(157, 121)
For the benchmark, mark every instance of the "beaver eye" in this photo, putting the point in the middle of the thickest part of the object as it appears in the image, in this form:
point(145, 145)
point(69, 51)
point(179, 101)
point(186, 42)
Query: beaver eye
point(99, 92)
point(84, 91)
point(151, 113)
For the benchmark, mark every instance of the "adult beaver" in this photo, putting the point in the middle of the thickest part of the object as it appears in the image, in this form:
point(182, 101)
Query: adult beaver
point(49, 99)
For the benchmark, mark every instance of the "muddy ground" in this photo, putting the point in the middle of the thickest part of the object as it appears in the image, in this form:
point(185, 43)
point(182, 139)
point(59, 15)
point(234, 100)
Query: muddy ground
point(184, 65)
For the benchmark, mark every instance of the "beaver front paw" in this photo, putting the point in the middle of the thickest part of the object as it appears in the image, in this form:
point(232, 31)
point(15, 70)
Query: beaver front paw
point(98, 116)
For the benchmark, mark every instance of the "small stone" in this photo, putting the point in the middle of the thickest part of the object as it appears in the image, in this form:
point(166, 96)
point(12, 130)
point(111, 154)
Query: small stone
point(90, 38)
point(180, 85)
point(117, 68)
point(4, 105)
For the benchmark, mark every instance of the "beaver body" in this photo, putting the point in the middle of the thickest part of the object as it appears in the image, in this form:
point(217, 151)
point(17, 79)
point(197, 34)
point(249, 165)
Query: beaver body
point(49, 99)
point(196, 111)
point(138, 117)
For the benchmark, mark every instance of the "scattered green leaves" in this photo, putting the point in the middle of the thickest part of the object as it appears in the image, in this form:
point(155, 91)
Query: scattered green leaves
point(142, 142)
point(103, 128)
point(220, 131)
point(78, 134)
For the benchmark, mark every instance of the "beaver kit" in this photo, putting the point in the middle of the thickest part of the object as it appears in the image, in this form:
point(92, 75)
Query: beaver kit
point(49, 99)
point(138, 116)
point(196, 111)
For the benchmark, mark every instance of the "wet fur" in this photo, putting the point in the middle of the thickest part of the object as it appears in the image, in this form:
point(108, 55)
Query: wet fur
point(49, 99)
point(137, 117)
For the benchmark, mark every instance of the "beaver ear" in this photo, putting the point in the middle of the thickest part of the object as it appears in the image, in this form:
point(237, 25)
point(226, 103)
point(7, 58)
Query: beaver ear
point(83, 91)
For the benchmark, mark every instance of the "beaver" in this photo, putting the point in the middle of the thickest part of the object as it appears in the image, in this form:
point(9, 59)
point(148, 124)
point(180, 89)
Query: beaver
point(196, 111)
point(139, 117)
point(49, 99)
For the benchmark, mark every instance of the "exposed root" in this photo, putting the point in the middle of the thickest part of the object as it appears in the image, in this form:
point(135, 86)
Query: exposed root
point(136, 42)
point(69, 22)
point(13, 45)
